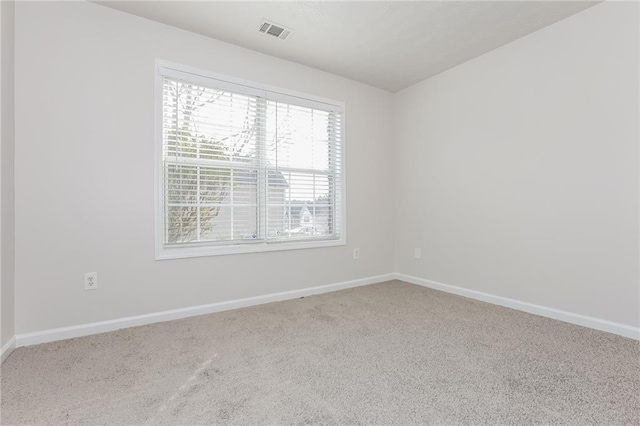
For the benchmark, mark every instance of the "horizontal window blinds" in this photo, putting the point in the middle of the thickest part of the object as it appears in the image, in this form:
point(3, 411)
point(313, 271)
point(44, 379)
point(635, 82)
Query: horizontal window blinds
point(242, 166)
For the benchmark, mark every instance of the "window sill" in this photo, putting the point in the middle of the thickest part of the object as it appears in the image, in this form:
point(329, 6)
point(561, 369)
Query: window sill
point(166, 253)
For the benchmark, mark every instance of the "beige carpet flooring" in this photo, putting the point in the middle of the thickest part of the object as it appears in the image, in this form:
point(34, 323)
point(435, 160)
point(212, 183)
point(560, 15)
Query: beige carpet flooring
point(390, 353)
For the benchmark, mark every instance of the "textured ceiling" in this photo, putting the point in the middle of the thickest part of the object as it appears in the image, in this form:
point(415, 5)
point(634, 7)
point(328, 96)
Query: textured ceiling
point(390, 45)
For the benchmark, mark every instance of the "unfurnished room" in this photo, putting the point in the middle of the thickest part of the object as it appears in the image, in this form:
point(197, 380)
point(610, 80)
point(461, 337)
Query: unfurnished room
point(320, 212)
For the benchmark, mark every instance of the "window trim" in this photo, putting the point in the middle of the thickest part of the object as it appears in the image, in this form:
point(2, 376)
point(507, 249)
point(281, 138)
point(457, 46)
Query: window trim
point(162, 251)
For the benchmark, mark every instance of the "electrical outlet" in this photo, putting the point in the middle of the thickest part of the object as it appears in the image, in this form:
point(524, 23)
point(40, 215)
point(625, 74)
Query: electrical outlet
point(90, 280)
point(417, 253)
point(356, 253)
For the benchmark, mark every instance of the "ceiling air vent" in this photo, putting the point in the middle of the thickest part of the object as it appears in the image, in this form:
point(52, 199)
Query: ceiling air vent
point(274, 30)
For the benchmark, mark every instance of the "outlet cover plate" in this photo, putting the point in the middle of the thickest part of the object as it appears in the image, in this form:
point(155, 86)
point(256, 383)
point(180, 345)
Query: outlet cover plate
point(90, 280)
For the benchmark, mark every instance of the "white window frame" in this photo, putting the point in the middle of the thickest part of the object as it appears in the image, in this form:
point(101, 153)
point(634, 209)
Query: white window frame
point(164, 251)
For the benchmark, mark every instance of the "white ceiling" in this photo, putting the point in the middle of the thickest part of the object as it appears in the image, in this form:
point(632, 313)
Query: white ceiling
point(387, 44)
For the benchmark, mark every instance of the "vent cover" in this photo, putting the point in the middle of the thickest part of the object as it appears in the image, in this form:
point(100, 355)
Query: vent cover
point(274, 30)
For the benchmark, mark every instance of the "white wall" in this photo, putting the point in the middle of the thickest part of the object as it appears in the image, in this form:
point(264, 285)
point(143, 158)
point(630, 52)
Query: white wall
point(6, 173)
point(84, 171)
point(517, 172)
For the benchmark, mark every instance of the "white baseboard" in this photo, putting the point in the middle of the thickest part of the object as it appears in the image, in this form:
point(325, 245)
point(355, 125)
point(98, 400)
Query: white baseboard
point(583, 320)
point(7, 349)
point(52, 335)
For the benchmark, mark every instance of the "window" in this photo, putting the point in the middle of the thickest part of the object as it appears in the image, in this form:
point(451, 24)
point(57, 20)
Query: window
point(244, 168)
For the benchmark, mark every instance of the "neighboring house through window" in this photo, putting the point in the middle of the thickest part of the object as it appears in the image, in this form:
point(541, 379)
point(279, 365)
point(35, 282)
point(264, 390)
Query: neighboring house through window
point(243, 168)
